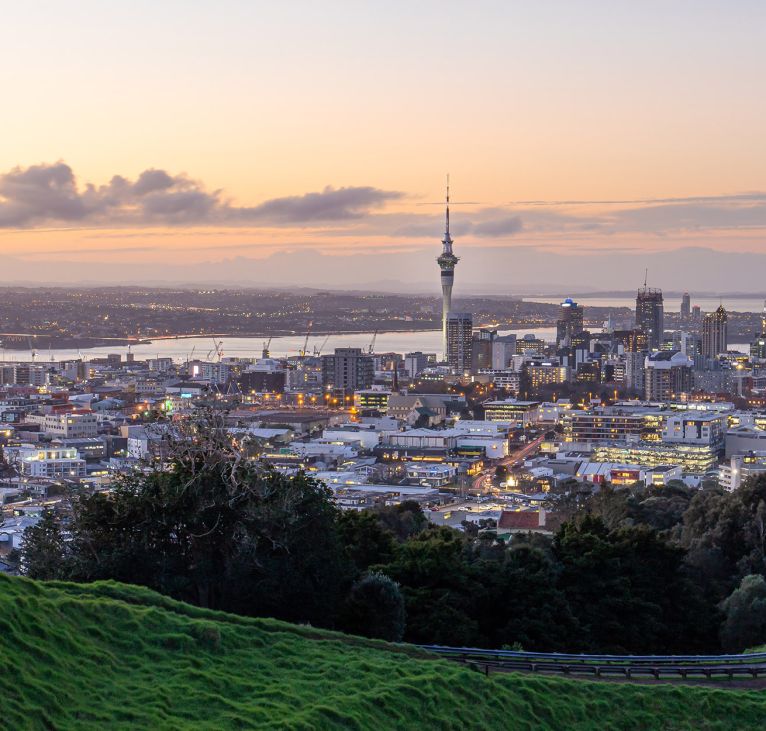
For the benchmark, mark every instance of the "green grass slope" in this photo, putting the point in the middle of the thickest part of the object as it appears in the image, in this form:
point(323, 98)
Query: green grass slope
point(108, 656)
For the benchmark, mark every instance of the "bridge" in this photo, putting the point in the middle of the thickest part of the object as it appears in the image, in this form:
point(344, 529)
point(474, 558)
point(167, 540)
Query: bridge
point(749, 666)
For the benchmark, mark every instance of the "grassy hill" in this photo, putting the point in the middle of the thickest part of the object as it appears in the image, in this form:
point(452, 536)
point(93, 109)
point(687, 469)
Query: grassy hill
point(111, 656)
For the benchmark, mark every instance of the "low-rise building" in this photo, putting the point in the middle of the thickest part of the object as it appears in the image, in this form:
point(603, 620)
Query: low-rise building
point(694, 427)
point(50, 462)
point(430, 475)
point(71, 425)
point(514, 522)
point(695, 459)
point(511, 410)
point(743, 439)
point(740, 467)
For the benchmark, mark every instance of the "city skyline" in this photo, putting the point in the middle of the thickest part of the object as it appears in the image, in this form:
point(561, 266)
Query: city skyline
point(325, 137)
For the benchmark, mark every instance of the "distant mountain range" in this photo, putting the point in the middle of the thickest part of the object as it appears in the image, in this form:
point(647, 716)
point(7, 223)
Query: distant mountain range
point(482, 270)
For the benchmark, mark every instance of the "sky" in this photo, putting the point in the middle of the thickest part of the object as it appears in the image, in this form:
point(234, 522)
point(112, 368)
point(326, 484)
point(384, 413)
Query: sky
point(308, 143)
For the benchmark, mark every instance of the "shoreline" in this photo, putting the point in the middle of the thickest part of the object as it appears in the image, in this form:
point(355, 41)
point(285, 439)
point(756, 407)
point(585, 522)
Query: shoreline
point(41, 343)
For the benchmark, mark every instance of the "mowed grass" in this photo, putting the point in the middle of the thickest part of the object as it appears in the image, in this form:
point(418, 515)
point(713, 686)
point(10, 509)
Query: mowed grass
point(109, 656)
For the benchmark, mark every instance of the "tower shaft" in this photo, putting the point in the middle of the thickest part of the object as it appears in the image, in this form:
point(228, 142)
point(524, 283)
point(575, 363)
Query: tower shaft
point(447, 277)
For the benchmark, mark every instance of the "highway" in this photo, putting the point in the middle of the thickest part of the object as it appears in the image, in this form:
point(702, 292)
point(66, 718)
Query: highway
point(749, 666)
point(483, 480)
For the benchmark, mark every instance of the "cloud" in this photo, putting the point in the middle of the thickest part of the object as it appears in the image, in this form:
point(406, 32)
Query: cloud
point(733, 198)
point(734, 213)
point(330, 205)
point(505, 226)
point(38, 193)
point(48, 194)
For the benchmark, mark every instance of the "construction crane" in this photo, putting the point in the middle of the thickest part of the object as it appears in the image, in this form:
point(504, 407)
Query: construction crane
point(266, 344)
point(318, 351)
point(371, 349)
point(32, 349)
point(215, 349)
point(304, 350)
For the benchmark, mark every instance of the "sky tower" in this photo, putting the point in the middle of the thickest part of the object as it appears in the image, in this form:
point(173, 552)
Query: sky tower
point(447, 261)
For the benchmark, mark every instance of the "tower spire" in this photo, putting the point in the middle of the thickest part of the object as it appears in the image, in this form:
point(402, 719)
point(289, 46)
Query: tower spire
point(447, 229)
point(447, 241)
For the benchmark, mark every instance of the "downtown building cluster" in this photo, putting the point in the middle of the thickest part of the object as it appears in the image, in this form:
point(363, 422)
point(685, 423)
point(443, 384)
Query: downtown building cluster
point(489, 429)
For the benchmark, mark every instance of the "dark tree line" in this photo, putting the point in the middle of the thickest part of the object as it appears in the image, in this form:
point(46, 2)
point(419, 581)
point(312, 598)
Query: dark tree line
point(639, 571)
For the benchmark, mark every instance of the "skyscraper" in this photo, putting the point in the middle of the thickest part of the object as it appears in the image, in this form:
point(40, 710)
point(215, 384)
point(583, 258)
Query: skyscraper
point(650, 315)
point(459, 339)
point(569, 323)
point(715, 333)
point(447, 261)
point(686, 306)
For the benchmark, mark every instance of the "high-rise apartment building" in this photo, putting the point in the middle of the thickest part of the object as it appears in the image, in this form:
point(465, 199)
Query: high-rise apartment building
point(715, 333)
point(634, 371)
point(650, 315)
point(667, 374)
point(570, 322)
point(459, 339)
point(348, 368)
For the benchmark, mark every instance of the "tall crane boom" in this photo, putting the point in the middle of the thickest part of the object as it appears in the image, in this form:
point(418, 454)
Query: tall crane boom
point(306, 341)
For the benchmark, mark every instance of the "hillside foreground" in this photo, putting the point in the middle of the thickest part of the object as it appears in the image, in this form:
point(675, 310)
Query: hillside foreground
point(106, 655)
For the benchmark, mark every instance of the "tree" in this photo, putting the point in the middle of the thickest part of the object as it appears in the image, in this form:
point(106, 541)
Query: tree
point(522, 603)
point(439, 588)
point(44, 548)
point(745, 615)
point(629, 592)
point(213, 529)
point(375, 608)
point(404, 520)
point(727, 531)
point(367, 541)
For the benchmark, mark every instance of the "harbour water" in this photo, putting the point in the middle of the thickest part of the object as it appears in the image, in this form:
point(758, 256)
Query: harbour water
point(181, 349)
point(186, 348)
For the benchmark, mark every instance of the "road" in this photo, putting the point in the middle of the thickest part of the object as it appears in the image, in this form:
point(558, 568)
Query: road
point(480, 482)
point(629, 667)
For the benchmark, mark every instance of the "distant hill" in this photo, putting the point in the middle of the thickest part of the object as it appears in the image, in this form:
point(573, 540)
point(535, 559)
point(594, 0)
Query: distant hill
point(110, 656)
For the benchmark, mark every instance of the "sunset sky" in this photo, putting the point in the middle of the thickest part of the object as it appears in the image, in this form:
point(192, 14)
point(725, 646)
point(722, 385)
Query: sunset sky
point(247, 141)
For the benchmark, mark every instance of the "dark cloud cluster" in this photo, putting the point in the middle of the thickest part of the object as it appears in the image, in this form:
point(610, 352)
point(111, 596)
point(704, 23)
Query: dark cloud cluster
point(43, 195)
point(330, 205)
